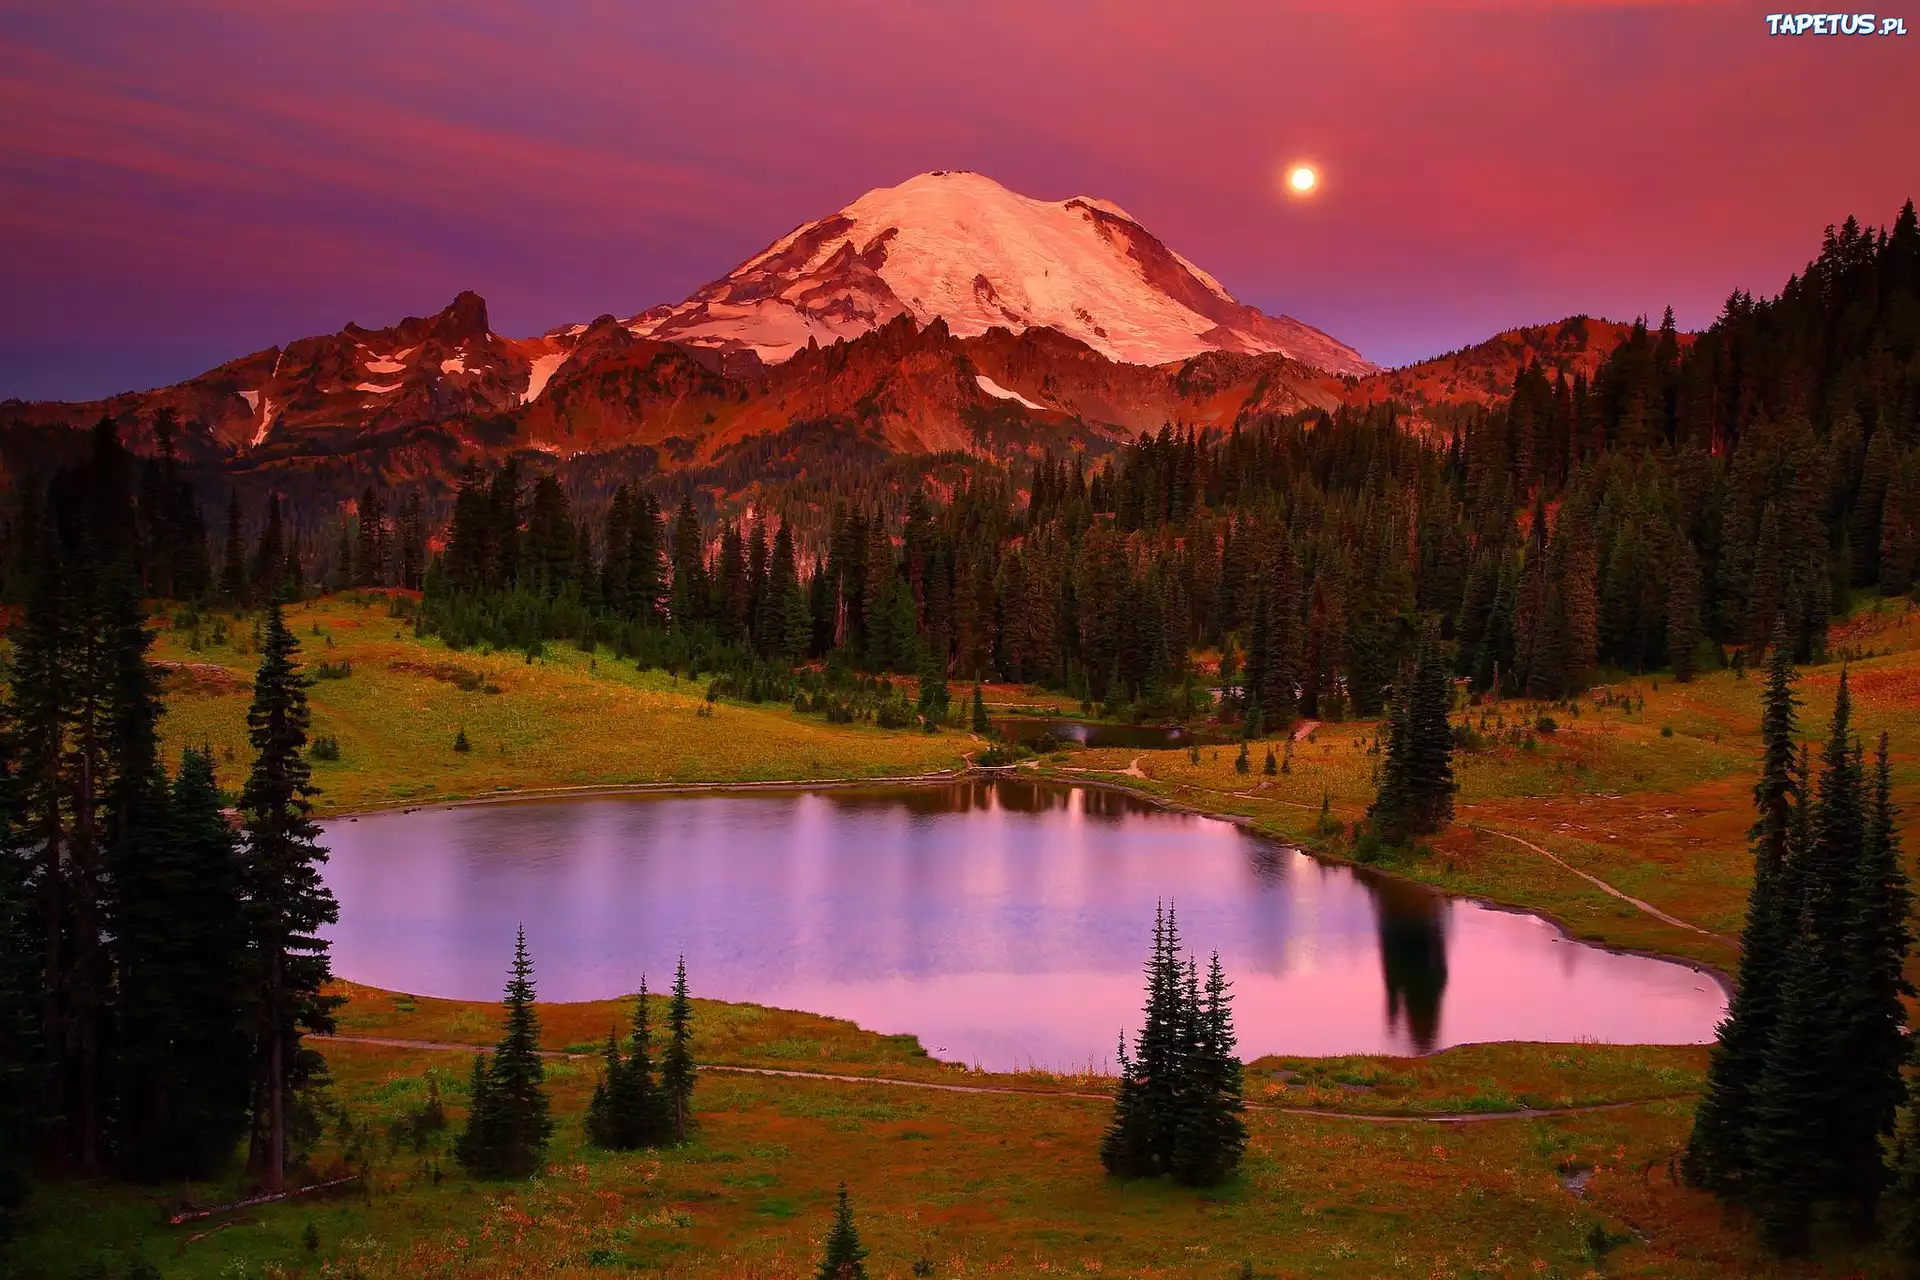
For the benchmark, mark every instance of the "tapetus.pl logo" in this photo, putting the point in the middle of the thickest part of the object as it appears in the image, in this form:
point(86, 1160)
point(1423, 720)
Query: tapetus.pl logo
point(1835, 24)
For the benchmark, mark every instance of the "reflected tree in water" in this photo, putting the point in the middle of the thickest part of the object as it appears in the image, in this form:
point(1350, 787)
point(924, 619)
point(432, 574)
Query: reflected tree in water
point(1413, 957)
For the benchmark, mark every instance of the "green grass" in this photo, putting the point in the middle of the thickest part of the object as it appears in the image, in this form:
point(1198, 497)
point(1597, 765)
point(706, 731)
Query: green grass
point(980, 1184)
point(1662, 818)
point(989, 1184)
point(569, 719)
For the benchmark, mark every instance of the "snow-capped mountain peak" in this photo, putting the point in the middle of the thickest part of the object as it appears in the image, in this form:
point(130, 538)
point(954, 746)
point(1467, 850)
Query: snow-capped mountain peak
point(959, 247)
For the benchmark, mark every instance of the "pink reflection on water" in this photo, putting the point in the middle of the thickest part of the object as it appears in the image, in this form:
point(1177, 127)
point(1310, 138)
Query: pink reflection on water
point(1003, 923)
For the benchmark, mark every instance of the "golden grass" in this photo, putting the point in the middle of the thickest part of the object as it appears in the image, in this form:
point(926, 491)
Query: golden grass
point(977, 1184)
point(983, 1184)
point(569, 719)
point(1649, 792)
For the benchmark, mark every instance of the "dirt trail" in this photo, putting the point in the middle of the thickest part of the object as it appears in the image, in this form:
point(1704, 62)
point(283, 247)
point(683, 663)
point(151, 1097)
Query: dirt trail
point(1253, 793)
point(1604, 887)
point(1461, 1117)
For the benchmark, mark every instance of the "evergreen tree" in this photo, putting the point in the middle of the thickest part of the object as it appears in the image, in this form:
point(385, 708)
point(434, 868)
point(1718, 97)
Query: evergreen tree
point(270, 556)
point(1871, 1013)
point(1791, 1159)
point(1718, 1156)
point(1212, 1136)
point(1125, 1151)
point(480, 1138)
point(412, 535)
point(22, 1051)
point(341, 576)
point(288, 903)
point(1579, 576)
point(783, 625)
point(233, 561)
point(1393, 811)
point(1431, 740)
point(689, 605)
point(1683, 612)
point(508, 1125)
point(183, 1042)
point(1149, 1101)
point(1415, 795)
point(935, 698)
point(1902, 1199)
point(629, 1110)
point(845, 1256)
point(981, 724)
point(1178, 1105)
point(636, 1094)
point(370, 548)
point(677, 1071)
point(604, 1126)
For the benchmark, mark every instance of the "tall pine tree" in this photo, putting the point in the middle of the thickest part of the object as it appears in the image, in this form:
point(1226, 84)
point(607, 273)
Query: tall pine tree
point(186, 1081)
point(288, 902)
point(677, 1071)
point(508, 1120)
point(1717, 1155)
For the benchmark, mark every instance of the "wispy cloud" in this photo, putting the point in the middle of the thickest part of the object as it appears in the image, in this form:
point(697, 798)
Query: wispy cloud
point(239, 168)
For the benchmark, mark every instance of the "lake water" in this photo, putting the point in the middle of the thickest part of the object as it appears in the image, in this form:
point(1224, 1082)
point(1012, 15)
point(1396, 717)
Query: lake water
point(1089, 733)
point(1003, 922)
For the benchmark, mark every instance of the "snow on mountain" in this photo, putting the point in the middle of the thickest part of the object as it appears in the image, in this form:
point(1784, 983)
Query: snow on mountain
point(994, 389)
point(961, 301)
point(959, 247)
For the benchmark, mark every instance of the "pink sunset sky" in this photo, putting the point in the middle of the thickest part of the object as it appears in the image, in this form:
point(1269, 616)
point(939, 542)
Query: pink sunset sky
point(181, 183)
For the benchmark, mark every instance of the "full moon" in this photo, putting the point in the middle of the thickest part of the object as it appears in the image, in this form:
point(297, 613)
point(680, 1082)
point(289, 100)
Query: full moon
point(1301, 179)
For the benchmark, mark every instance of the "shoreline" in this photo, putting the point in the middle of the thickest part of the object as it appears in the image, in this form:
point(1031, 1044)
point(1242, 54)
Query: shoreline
point(1091, 779)
point(1251, 825)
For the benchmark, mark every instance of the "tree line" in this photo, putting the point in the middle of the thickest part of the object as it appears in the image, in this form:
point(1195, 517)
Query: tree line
point(1806, 1112)
point(162, 962)
point(1662, 515)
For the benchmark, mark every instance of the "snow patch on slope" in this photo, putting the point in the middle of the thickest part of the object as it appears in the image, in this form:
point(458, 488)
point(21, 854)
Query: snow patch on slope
point(374, 388)
point(266, 420)
point(542, 371)
point(993, 388)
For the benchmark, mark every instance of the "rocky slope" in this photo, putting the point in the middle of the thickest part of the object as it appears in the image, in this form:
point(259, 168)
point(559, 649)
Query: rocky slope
point(944, 315)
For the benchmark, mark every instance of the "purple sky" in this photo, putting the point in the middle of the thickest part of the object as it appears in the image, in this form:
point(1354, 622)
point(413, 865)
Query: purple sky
point(183, 183)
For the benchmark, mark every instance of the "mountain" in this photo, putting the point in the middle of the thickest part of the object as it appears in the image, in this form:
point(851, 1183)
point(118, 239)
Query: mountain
point(321, 394)
point(958, 247)
point(911, 388)
point(947, 314)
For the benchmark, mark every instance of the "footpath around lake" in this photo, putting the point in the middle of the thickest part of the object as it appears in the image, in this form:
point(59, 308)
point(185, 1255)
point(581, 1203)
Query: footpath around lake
point(1642, 790)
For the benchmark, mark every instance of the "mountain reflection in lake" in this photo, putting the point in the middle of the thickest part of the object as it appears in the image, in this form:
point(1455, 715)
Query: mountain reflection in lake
point(1004, 922)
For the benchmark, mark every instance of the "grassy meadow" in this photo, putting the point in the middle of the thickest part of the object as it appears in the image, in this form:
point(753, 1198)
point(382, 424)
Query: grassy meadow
point(568, 719)
point(1647, 787)
point(1644, 787)
point(975, 1184)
